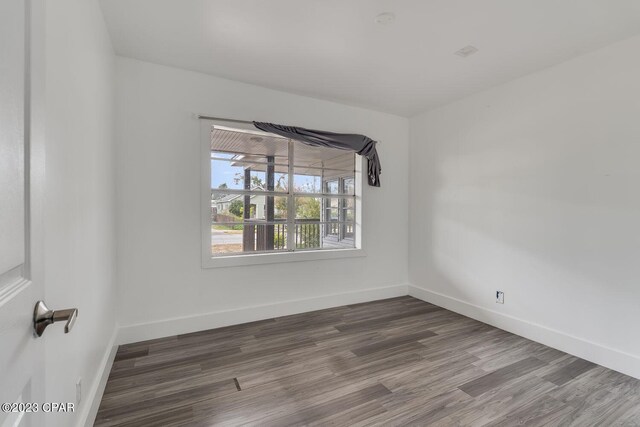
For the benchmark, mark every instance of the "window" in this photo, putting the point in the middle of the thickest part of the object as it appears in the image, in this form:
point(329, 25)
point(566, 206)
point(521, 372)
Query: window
point(269, 195)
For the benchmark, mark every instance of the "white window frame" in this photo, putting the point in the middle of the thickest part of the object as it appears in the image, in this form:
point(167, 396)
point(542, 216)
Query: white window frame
point(245, 259)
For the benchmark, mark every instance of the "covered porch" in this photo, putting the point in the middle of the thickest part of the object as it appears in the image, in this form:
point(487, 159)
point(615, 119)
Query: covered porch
point(320, 213)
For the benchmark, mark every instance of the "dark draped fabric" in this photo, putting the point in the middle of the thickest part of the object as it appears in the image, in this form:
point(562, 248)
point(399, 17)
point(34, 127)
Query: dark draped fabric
point(361, 144)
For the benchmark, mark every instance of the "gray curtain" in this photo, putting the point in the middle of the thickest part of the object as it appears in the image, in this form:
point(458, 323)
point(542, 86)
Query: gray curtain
point(361, 144)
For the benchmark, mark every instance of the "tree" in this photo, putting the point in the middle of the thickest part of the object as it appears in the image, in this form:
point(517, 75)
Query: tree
point(237, 207)
point(222, 186)
point(281, 182)
point(281, 207)
point(308, 208)
point(256, 181)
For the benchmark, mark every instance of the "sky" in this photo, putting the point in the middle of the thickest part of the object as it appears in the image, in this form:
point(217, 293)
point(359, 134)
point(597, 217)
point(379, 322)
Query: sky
point(223, 172)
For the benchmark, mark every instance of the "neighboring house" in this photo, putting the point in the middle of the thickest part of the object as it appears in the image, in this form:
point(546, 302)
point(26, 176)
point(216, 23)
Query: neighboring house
point(221, 205)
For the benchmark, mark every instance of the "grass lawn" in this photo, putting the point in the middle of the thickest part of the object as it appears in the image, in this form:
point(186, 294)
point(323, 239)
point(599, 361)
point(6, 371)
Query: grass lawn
point(226, 248)
point(228, 229)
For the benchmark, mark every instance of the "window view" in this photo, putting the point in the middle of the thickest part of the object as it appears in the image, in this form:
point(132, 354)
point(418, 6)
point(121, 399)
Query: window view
point(273, 194)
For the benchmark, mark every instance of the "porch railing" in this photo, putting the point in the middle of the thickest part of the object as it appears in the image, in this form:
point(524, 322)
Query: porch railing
point(307, 234)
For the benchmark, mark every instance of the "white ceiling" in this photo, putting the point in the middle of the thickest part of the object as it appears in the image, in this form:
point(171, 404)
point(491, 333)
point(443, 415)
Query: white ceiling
point(332, 49)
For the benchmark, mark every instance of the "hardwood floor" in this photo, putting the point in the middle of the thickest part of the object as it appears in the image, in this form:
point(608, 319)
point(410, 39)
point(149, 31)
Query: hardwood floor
point(394, 362)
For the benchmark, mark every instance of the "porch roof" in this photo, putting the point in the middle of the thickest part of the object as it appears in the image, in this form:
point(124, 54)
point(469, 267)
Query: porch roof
point(249, 149)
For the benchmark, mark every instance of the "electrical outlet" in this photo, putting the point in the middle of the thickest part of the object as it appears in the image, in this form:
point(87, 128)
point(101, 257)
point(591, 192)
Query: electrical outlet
point(78, 391)
point(500, 297)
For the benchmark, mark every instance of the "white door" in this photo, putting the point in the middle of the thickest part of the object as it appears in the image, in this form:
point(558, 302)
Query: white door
point(21, 172)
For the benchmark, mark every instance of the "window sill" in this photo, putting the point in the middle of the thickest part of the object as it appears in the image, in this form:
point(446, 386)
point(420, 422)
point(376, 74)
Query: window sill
point(281, 257)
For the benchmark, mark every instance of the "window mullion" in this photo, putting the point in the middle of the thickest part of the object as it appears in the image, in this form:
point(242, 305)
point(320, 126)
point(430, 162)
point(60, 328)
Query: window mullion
point(291, 203)
point(341, 205)
point(323, 212)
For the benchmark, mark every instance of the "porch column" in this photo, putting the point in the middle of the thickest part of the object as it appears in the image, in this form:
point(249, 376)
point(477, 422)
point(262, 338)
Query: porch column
point(270, 202)
point(248, 231)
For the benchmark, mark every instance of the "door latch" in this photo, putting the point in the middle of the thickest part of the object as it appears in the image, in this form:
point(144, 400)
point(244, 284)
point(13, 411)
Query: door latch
point(43, 317)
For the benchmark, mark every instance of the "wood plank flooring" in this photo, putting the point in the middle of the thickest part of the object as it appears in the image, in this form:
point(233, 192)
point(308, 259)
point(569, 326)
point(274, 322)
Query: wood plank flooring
point(393, 362)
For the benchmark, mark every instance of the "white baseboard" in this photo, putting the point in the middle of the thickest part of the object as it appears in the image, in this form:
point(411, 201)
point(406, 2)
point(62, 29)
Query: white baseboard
point(93, 398)
point(182, 325)
point(611, 358)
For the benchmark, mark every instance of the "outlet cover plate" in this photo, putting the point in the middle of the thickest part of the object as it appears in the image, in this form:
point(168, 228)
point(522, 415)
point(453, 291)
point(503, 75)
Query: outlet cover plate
point(78, 391)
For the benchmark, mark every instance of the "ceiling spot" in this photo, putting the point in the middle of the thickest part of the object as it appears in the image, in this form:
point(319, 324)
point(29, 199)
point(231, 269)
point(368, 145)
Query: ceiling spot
point(385, 18)
point(466, 51)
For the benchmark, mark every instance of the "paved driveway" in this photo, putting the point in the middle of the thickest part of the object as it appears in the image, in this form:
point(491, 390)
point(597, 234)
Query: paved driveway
point(226, 237)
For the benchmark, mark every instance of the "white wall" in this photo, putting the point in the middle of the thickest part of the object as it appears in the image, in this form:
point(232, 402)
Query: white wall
point(158, 186)
point(532, 188)
point(79, 207)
